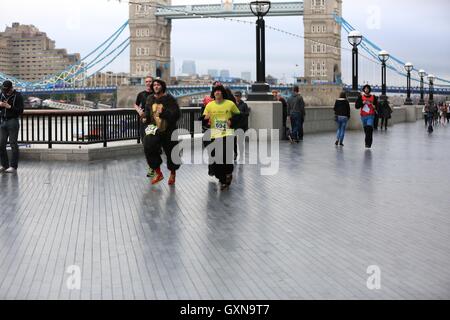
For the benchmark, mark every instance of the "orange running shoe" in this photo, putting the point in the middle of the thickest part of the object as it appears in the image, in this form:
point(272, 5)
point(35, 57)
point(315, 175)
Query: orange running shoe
point(172, 179)
point(157, 178)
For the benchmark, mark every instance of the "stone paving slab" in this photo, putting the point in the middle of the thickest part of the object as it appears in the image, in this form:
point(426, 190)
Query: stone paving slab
point(308, 232)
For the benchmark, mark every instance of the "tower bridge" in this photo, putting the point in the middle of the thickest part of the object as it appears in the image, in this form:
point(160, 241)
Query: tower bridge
point(150, 24)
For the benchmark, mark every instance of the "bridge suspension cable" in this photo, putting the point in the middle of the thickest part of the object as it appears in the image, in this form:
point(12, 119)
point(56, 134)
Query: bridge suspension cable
point(80, 71)
point(394, 63)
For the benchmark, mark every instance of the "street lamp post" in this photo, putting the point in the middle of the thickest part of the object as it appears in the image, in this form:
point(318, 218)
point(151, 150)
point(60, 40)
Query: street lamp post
point(384, 57)
point(408, 67)
point(354, 38)
point(431, 88)
point(422, 74)
point(260, 90)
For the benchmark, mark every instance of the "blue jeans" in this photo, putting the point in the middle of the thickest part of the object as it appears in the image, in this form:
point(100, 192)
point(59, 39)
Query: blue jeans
point(9, 129)
point(297, 125)
point(342, 125)
point(367, 121)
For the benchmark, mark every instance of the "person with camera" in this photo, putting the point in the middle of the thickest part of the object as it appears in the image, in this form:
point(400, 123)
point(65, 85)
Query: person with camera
point(11, 107)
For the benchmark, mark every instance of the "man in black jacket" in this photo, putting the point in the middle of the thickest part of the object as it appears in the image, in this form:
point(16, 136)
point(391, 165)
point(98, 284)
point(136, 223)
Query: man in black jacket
point(139, 106)
point(240, 121)
point(161, 115)
point(11, 107)
point(297, 113)
point(141, 100)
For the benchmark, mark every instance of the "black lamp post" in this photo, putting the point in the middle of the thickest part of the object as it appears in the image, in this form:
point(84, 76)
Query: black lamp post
point(408, 67)
point(260, 90)
point(422, 74)
point(384, 57)
point(431, 88)
point(354, 38)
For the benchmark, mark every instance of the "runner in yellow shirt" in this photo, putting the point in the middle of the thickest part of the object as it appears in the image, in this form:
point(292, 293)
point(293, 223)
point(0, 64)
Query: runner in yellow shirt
point(219, 112)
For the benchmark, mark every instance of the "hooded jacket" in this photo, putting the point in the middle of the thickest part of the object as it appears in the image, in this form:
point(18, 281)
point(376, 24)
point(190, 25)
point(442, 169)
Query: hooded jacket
point(170, 112)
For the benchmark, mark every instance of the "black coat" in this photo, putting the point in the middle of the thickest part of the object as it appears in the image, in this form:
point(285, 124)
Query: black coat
point(171, 111)
point(342, 108)
point(240, 121)
point(384, 110)
point(15, 100)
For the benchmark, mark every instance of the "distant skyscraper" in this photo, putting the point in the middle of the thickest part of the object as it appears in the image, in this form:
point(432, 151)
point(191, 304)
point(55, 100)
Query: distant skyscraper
point(214, 73)
point(172, 67)
point(224, 73)
point(189, 67)
point(246, 76)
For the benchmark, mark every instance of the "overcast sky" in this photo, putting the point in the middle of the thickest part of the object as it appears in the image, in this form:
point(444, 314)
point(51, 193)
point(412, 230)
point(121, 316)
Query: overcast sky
point(412, 30)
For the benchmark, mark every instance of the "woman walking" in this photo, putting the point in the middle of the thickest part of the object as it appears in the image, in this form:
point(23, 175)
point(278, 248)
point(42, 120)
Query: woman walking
point(368, 104)
point(385, 112)
point(342, 115)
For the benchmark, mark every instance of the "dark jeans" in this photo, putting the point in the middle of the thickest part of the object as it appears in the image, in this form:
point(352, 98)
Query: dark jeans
point(297, 125)
point(9, 129)
point(152, 149)
point(239, 144)
point(368, 129)
point(284, 133)
point(142, 131)
point(376, 121)
point(384, 121)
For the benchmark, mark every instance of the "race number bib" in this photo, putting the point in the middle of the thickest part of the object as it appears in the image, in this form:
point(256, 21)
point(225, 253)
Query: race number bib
point(221, 125)
point(151, 130)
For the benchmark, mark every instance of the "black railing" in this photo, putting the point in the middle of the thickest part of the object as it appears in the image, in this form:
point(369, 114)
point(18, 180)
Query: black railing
point(53, 127)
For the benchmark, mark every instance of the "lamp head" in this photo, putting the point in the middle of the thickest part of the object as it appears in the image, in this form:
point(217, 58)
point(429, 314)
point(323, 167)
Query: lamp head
point(383, 55)
point(355, 38)
point(409, 66)
point(260, 8)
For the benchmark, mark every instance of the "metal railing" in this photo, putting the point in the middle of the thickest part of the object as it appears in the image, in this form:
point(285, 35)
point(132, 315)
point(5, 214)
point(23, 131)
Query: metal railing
point(78, 127)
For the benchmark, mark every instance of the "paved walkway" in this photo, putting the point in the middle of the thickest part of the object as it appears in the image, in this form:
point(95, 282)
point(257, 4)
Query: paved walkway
point(309, 232)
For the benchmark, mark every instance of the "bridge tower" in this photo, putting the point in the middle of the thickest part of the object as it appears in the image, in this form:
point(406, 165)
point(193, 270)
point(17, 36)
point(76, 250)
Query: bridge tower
point(150, 40)
point(322, 41)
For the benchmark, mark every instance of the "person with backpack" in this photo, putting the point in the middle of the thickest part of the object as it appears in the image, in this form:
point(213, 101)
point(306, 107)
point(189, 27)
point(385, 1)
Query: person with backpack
point(385, 113)
point(11, 107)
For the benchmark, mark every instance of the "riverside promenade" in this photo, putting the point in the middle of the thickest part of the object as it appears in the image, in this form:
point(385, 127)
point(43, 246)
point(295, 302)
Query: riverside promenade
point(309, 232)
